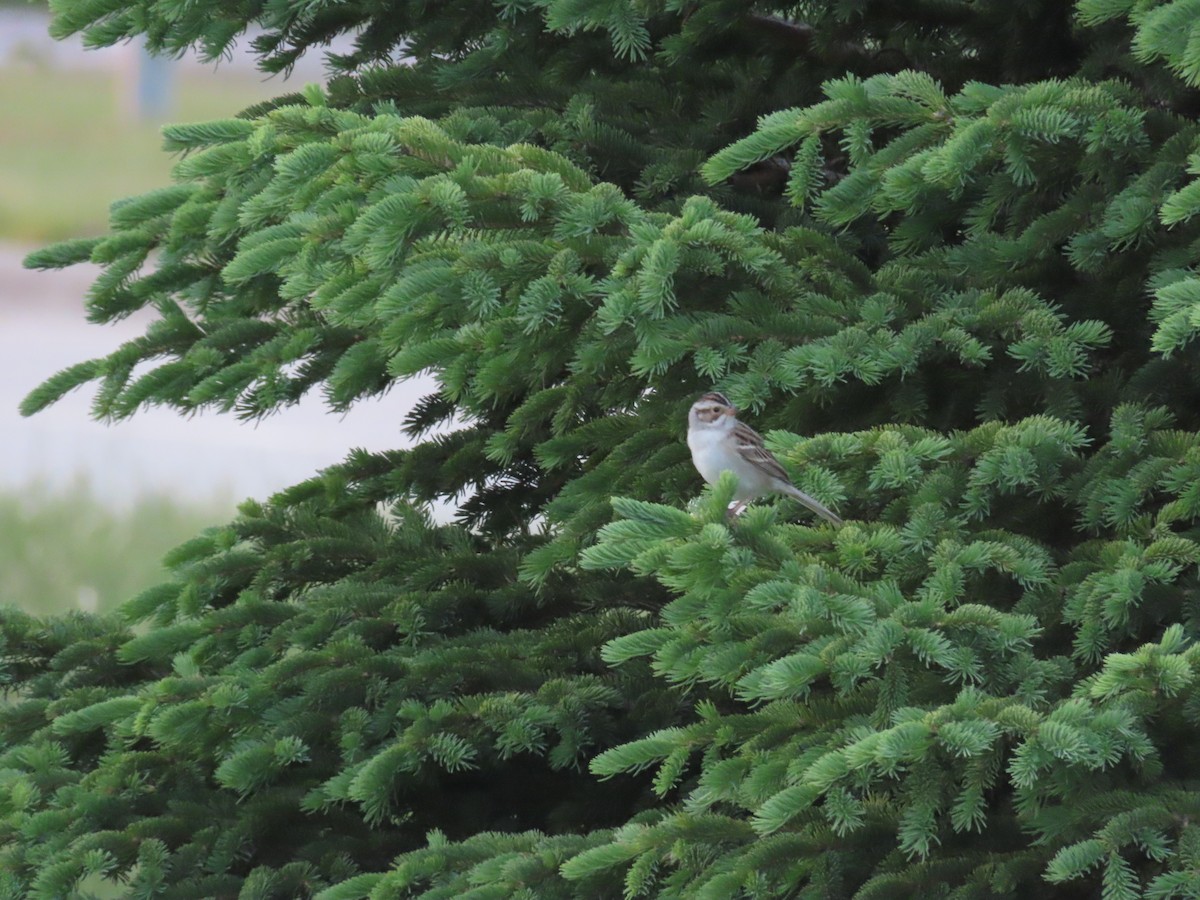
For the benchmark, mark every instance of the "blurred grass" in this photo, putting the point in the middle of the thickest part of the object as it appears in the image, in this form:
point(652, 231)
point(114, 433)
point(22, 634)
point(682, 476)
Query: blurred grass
point(68, 550)
point(66, 151)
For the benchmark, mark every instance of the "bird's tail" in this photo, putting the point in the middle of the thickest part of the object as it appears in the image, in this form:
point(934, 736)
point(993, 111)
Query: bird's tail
point(815, 505)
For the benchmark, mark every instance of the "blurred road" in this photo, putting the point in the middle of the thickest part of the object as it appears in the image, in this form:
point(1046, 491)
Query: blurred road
point(43, 330)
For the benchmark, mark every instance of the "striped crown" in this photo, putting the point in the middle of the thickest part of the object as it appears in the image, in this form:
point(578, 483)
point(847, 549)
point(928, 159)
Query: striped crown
point(715, 397)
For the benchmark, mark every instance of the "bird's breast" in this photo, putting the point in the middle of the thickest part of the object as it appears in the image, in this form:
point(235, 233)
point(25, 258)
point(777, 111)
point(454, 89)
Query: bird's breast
point(709, 453)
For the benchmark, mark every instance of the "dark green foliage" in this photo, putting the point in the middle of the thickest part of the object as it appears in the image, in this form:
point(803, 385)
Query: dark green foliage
point(953, 243)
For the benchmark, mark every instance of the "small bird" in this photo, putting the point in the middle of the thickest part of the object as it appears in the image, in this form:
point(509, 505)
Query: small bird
point(720, 443)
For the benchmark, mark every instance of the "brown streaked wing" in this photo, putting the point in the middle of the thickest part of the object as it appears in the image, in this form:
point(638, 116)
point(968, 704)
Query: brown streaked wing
point(750, 444)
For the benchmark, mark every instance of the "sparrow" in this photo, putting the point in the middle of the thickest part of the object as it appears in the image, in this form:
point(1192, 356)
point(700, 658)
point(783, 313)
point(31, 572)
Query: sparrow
point(720, 443)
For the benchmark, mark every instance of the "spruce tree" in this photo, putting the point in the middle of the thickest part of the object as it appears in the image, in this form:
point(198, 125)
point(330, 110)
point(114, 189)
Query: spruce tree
point(942, 253)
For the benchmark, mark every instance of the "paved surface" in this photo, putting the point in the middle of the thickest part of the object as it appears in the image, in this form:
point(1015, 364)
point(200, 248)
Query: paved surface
point(43, 330)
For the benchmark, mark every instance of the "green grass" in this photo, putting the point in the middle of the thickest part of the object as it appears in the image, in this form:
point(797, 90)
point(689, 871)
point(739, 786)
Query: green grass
point(66, 152)
point(67, 550)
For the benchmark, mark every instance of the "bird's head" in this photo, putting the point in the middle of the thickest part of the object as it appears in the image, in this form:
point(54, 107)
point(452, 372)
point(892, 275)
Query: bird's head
point(710, 409)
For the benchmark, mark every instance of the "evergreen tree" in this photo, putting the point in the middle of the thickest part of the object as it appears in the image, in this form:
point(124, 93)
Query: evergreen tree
point(943, 252)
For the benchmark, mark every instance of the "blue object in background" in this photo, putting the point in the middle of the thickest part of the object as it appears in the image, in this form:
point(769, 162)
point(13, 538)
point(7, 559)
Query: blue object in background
point(155, 86)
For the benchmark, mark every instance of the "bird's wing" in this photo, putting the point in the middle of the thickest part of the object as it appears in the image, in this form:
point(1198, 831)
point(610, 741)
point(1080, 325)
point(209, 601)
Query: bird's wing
point(750, 445)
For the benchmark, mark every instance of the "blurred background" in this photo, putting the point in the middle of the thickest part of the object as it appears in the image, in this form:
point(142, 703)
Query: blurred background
point(87, 509)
